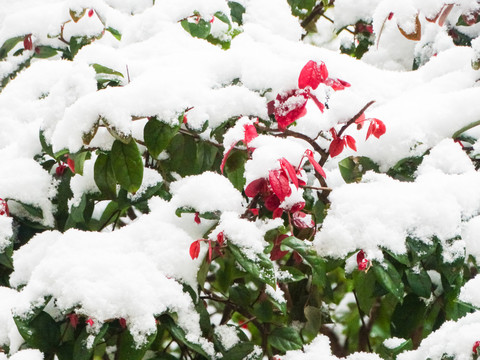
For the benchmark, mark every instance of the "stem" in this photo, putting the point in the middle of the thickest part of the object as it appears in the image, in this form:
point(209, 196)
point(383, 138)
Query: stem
point(352, 120)
point(465, 128)
point(360, 312)
point(318, 10)
point(319, 188)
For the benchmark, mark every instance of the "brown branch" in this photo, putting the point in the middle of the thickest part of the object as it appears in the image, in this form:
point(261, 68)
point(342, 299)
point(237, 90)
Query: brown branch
point(353, 119)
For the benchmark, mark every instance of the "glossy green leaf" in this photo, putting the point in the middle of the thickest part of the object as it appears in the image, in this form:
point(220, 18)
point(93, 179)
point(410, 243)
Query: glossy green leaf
point(310, 256)
point(9, 45)
point(236, 11)
point(158, 135)
point(33, 210)
point(128, 349)
point(199, 30)
point(285, 339)
point(80, 349)
point(235, 168)
point(115, 33)
point(261, 268)
point(364, 284)
point(100, 69)
point(294, 274)
point(79, 159)
point(407, 316)
point(127, 165)
point(389, 278)
point(105, 177)
point(44, 52)
point(419, 281)
point(42, 332)
point(179, 334)
point(239, 352)
point(223, 18)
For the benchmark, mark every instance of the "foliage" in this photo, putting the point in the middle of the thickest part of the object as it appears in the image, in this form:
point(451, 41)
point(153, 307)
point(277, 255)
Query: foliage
point(277, 300)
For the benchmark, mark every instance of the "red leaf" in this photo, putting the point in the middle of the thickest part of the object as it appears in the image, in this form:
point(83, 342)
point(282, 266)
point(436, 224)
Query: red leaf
point(250, 133)
point(288, 168)
point(336, 84)
point(301, 221)
point(254, 211)
point(123, 323)
point(351, 142)
point(336, 147)
point(312, 75)
point(277, 213)
point(90, 322)
point(27, 42)
point(444, 14)
point(197, 218)
point(272, 202)
point(380, 128)
point(71, 164)
point(255, 187)
point(390, 16)
point(185, 120)
point(475, 347)
point(297, 207)
point(362, 262)
point(317, 102)
point(195, 249)
point(370, 130)
point(4, 208)
point(315, 164)
point(276, 253)
point(290, 107)
point(279, 183)
point(73, 319)
point(220, 238)
point(90, 13)
point(60, 169)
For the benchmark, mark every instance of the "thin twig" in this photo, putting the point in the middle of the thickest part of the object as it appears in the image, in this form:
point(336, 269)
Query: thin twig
point(352, 120)
point(361, 314)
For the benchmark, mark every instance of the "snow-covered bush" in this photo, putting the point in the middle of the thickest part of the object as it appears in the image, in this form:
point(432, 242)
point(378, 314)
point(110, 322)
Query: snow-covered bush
point(194, 180)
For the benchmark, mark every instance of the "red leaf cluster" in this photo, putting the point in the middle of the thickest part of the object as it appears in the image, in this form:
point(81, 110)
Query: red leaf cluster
point(339, 143)
point(291, 106)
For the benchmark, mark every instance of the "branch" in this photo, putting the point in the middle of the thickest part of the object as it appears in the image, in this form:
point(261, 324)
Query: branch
point(465, 128)
point(352, 120)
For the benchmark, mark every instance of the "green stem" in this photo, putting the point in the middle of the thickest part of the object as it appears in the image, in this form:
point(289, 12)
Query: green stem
point(456, 134)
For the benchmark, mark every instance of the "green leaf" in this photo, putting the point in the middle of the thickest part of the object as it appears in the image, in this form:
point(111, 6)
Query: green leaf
point(419, 281)
point(100, 69)
point(80, 349)
point(115, 33)
point(311, 257)
point(199, 30)
point(6, 257)
point(261, 268)
point(44, 52)
point(408, 316)
point(235, 168)
point(391, 353)
point(364, 288)
point(46, 147)
point(157, 136)
point(127, 165)
point(404, 170)
point(223, 18)
point(33, 210)
point(314, 318)
point(236, 11)
point(79, 159)
point(77, 15)
point(104, 176)
point(42, 332)
point(389, 278)
point(9, 45)
point(127, 348)
point(353, 168)
point(179, 334)
point(294, 275)
point(285, 339)
point(182, 151)
point(239, 352)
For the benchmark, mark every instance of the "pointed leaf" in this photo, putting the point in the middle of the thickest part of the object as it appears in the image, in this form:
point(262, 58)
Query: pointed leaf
point(285, 339)
point(105, 177)
point(127, 165)
point(280, 184)
point(336, 147)
point(351, 142)
point(288, 168)
point(315, 164)
point(157, 136)
point(261, 267)
point(128, 349)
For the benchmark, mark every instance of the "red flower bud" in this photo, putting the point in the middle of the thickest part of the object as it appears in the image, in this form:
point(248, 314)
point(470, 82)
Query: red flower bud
point(197, 218)
point(73, 318)
point(475, 347)
point(90, 322)
point(90, 13)
point(27, 42)
point(123, 323)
